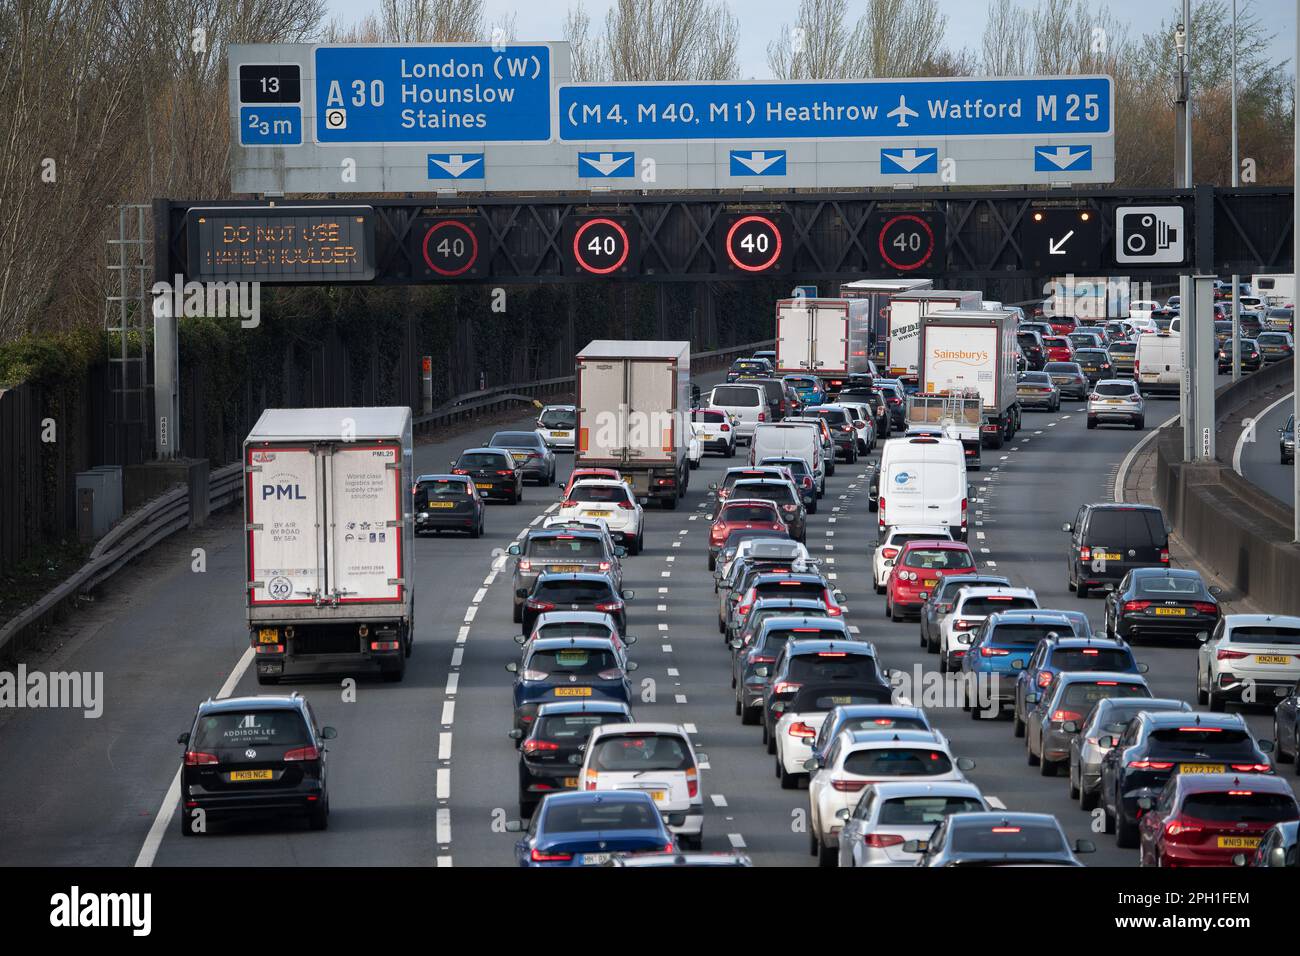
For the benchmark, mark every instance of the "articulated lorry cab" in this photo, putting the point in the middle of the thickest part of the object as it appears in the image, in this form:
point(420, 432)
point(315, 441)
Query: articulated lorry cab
point(634, 402)
point(975, 349)
point(328, 541)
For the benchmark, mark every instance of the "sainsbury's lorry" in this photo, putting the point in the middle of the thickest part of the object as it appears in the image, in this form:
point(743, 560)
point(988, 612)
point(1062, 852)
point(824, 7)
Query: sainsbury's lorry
point(963, 349)
point(328, 541)
point(634, 414)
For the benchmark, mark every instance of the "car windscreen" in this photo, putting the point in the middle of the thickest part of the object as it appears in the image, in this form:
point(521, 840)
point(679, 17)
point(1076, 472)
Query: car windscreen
point(1123, 348)
point(991, 605)
point(1091, 659)
point(582, 661)
point(1006, 838)
point(598, 493)
point(831, 666)
point(789, 589)
point(1264, 634)
point(881, 723)
point(241, 728)
point(1023, 635)
point(746, 512)
point(1116, 390)
point(802, 381)
point(559, 418)
point(897, 762)
point(572, 729)
point(574, 592)
point(442, 488)
point(836, 416)
point(1189, 740)
point(798, 467)
point(938, 559)
point(476, 461)
point(1079, 696)
point(609, 815)
point(821, 700)
point(1062, 368)
point(517, 440)
point(574, 629)
point(551, 548)
point(1271, 338)
point(732, 396)
point(737, 535)
point(637, 753)
point(1120, 528)
point(1241, 806)
point(923, 811)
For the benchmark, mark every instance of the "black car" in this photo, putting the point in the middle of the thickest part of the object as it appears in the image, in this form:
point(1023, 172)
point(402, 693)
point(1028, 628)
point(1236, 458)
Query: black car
point(748, 367)
point(1252, 359)
point(573, 592)
point(943, 599)
point(1107, 541)
point(999, 838)
point(771, 624)
point(1161, 602)
point(1069, 378)
point(245, 754)
point(803, 477)
point(536, 460)
point(843, 433)
point(871, 396)
point(819, 660)
point(1031, 344)
point(558, 731)
point(447, 503)
point(495, 473)
point(1094, 362)
point(1156, 745)
point(896, 399)
point(1286, 441)
point(782, 400)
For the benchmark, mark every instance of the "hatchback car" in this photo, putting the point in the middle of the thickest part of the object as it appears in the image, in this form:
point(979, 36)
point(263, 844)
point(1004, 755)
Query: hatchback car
point(1031, 346)
point(572, 592)
point(1116, 400)
point(1107, 541)
point(556, 551)
point(1068, 377)
point(757, 514)
point(1161, 603)
point(819, 661)
point(568, 668)
point(495, 472)
point(996, 651)
point(1062, 651)
point(748, 368)
point(714, 429)
point(782, 493)
point(1249, 658)
point(843, 433)
point(1037, 390)
point(891, 545)
point(653, 758)
point(447, 503)
point(1108, 717)
point(803, 477)
point(918, 570)
point(1122, 356)
point(612, 502)
point(942, 600)
point(1207, 819)
point(1058, 349)
point(809, 388)
point(1275, 346)
point(1069, 696)
point(587, 829)
point(769, 626)
point(889, 814)
point(1248, 351)
point(973, 605)
point(999, 838)
point(558, 426)
point(536, 460)
point(582, 474)
point(254, 754)
point(558, 733)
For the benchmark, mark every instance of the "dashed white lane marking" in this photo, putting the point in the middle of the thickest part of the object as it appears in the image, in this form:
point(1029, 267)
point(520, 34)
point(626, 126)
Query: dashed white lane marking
point(672, 672)
point(853, 485)
point(442, 828)
point(537, 520)
point(663, 590)
point(830, 534)
point(457, 656)
point(499, 563)
point(676, 544)
point(832, 576)
point(448, 712)
point(692, 517)
point(842, 497)
point(830, 560)
point(672, 557)
point(1004, 458)
point(991, 564)
point(684, 531)
point(854, 629)
point(681, 698)
point(1039, 432)
point(663, 626)
point(737, 841)
point(829, 547)
point(835, 507)
point(832, 520)
point(444, 784)
point(487, 581)
point(979, 534)
point(551, 508)
point(661, 607)
point(470, 613)
point(444, 745)
point(478, 596)
point(690, 729)
point(996, 803)
point(718, 799)
point(462, 635)
point(444, 861)
point(984, 551)
point(705, 765)
point(667, 648)
point(452, 681)
point(665, 574)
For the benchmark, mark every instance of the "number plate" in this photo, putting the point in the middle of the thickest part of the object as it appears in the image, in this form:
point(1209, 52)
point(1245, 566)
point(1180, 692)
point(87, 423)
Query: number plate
point(658, 795)
point(1112, 556)
point(487, 485)
point(268, 635)
point(1272, 658)
point(565, 568)
point(570, 782)
point(1200, 768)
point(595, 859)
point(600, 514)
point(1238, 842)
point(573, 692)
point(559, 434)
point(931, 582)
point(1171, 611)
point(237, 776)
point(1114, 401)
point(442, 504)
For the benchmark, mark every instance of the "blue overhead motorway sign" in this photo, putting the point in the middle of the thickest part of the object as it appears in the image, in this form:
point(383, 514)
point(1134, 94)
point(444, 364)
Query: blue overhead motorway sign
point(887, 108)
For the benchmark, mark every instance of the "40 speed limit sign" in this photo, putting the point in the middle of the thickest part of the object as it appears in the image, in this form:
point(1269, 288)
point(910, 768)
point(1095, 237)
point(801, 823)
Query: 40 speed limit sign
point(600, 245)
point(906, 243)
point(753, 243)
point(449, 247)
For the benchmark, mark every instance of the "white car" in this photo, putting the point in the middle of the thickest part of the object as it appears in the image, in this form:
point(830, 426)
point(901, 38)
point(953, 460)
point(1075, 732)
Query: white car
point(864, 420)
point(888, 815)
point(793, 551)
point(859, 757)
point(746, 404)
point(1142, 308)
point(558, 426)
point(882, 561)
point(801, 722)
point(1255, 657)
point(585, 524)
point(658, 759)
point(970, 609)
point(612, 501)
point(715, 429)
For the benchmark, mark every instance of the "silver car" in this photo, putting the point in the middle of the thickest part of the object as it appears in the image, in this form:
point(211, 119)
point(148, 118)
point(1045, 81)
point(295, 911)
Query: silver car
point(891, 813)
point(1117, 400)
point(1108, 718)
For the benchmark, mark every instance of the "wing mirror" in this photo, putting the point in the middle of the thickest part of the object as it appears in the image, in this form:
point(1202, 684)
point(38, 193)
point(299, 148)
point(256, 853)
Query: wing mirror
point(631, 666)
point(521, 592)
point(843, 813)
point(1202, 636)
point(1143, 668)
point(513, 667)
point(965, 638)
point(736, 644)
point(839, 595)
point(514, 826)
point(1084, 846)
point(1031, 698)
point(1215, 590)
point(521, 640)
point(328, 733)
point(515, 734)
point(916, 846)
point(965, 763)
point(1106, 743)
point(183, 738)
point(629, 640)
point(1145, 803)
point(620, 551)
point(514, 549)
point(1067, 527)
point(628, 595)
point(812, 764)
point(575, 760)
point(1265, 746)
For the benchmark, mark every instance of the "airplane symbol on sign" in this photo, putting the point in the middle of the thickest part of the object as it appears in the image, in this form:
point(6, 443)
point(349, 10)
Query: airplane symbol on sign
point(902, 111)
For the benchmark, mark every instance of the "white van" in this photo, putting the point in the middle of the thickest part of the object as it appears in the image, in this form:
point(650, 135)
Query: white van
point(1158, 362)
point(748, 403)
point(790, 440)
point(922, 481)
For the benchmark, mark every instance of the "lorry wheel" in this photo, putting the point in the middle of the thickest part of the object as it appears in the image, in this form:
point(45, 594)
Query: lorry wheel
point(694, 464)
point(397, 673)
point(670, 502)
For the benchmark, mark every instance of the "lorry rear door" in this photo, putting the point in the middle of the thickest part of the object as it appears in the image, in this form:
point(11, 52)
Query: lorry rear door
point(365, 505)
point(830, 340)
point(286, 557)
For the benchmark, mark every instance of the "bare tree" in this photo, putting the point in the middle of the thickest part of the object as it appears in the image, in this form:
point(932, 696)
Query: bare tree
point(891, 38)
point(820, 45)
point(900, 37)
point(671, 40)
point(1005, 45)
point(586, 50)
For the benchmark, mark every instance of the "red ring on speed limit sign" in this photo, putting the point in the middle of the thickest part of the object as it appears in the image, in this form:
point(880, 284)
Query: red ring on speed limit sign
point(884, 231)
point(776, 234)
point(577, 248)
point(473, 248)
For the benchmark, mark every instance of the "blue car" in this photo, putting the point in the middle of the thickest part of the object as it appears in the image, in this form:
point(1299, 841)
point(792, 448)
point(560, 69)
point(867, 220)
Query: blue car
point(868, 717)
point(1069, 653)
point(586, 829)
point(809, 388)
point(568, 668)
point(1000, 647)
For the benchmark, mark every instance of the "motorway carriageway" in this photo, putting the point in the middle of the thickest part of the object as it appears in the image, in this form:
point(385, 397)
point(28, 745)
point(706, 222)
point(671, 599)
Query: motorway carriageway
point(1259, 461)
point(422, 772)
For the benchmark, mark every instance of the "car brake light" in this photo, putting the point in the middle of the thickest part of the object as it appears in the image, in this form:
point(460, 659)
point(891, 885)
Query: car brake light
point(525, 564)
point(962, 625)
point(540, 605)
point(1085, 554)
point(762, 660)
point(784, 687)
point(541, 856)
point(302, 753)
point(592, 778)
point(610, 606)
point(1150, 765)
point(1063, 715)
point(725, 427)
point(459, 471)
point(762, 416)
point(505, 471)
point(1164, 555)
point(963, 513)
point(1136, 605)
point(1224, 654)
point(1177, 827)
point(533, 746)
point(536, 675)
point(848, 786)
point(882, 840)
point(993, 651)
point(1044, 678)
point(1251, 767)
point(1203, 607)
point(197, 758)
point(567, 503)
point(612, 673)
point(889, 554)
point(692, 782)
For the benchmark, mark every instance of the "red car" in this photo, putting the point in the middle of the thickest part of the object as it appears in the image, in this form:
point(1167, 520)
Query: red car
point(742, 513)
point(580, 473)
point(1058, 348)
point(918, 570)
point(1063, 324)
point(1205, 819)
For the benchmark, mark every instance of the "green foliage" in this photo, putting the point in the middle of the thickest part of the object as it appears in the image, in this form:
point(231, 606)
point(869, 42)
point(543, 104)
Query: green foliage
point(57, 357)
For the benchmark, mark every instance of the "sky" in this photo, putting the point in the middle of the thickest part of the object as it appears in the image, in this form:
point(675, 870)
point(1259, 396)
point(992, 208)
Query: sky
point(761, 21)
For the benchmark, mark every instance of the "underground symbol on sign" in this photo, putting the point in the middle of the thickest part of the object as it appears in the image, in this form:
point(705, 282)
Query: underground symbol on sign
point(280, 589)
point(336, 119)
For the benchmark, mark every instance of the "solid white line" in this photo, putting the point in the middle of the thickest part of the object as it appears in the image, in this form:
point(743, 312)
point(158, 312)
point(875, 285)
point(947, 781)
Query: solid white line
point(1122, 475)
point(737, 841)
point(1254, 431)
point(153, 839)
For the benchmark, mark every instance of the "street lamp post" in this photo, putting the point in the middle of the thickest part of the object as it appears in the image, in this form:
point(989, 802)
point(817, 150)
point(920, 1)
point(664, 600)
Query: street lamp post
point(1295, 258)
point(1236, 279)
point(1182, 115)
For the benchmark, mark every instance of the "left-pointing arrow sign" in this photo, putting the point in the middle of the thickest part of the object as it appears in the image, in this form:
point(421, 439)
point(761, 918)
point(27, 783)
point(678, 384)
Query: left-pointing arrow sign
point(455, 165)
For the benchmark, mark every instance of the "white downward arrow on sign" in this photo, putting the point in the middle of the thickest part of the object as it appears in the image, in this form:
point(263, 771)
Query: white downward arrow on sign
point(1062, 156)
point(605, 163)
point(456, 165)
point(1056, 247)
point(909, 159)
point(757, 161)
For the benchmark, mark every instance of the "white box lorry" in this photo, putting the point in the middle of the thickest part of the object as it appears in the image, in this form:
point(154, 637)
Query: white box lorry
point(974, 349)
point(1277, 289)
point(874, 325)
point(905, 311)
point(328, 541)
point(816, 335)
point(634, 414)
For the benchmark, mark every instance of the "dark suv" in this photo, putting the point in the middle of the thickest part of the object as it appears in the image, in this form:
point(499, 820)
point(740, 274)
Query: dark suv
point(558, 551)
point(782, 400)
point(254, 754)
point(842, 431)
point(572, 592)
point(1109, 540)
point(1031, 344)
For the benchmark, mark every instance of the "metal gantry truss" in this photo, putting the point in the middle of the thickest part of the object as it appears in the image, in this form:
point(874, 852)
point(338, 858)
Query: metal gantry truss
point(128, 320)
